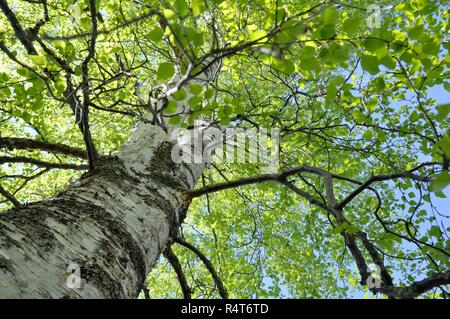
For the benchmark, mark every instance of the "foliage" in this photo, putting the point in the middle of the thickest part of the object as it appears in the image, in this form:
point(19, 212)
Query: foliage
point(352, 100)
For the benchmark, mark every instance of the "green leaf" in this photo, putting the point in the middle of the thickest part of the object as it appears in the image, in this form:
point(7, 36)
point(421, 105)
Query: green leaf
point(26, 117)
point(328, 31)
point(60, 45)
point(369, 63)
point(372, 104)
point(309, 64)
point(195, 89)
point(368, 134)
point(169, 14)
point(182, 7)
point(444, 145)
point(198, 7)
point(441, 181)
point(373, 44)
point(165, 71)
point(195, 103)
point(175, 120)
point(329, 16)
point(285, 66)
point(85, 22)
point(340, 54)
point(308, 52)
point(171, 107)
point(435, 231)
point(379, 84)
point(417, 5)
point(37, 104)
point(351, 229)
point(238, 109)
point(38, 60)
point(179, 95)
point(156, 34)
point(339, 228)
point(443, 111)
point(331, 93)
point(194, 36)
point(388, 62)
point(209, 93)
point(291, 30)
point(447, 86)
point(351, 25)
point(60, 85)
point(440, 194)
point(258, 35)
point(4, 77)
point(414, 117)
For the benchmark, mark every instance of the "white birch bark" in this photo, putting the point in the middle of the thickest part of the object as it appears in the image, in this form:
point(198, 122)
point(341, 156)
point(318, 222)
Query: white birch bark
point(114, 224)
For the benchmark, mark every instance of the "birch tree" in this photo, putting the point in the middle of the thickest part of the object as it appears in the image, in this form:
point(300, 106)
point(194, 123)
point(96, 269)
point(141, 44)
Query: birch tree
point(109, 112)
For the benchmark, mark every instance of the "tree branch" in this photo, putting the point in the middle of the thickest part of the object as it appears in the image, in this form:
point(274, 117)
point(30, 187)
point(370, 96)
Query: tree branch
point(23, 143)
point(418, 287)
point(18, 30)
point(380, 178)
point(90, 146)
point(10, 197)
point(220, 286)
point(376, 257)
point(175, 263)
point(306, 195)
point(250, 180)
point(23, 159)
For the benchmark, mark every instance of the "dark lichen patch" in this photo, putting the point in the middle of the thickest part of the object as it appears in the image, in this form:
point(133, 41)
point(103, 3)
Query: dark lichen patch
point(165, 179)
point(31, 223)
point(164, 171)
point(6, 265)
point(116, 234)
point(100, 278)
point(112, 170)
point(188, 168)
point(166, 207)
point(105, 251)
point(69, 210)
point(159, 202)
point(163, 157)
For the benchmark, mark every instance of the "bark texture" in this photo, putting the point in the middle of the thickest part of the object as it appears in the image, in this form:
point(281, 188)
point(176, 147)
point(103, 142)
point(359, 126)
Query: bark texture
point(113, 223)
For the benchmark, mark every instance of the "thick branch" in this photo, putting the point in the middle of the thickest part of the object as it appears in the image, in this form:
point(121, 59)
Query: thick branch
point(18, 30)
point(9, 197)
point(23, 143)
point(220, 286)
point(175, 263)
point(380, 178)
point(23, 159)
point(252, 180)
point(418, 287)
point(373, 252)
point(306, 195)
point(82, 120)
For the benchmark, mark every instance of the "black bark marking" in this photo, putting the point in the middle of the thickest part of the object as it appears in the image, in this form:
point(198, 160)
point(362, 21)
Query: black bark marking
point(120, 248)
point(36, 233)
point(165, 171)
point(6, 265)
point(114, 230)
point(101, 279)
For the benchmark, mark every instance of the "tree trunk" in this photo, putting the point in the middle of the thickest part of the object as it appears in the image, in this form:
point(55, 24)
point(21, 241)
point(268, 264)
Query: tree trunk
point(113, 224)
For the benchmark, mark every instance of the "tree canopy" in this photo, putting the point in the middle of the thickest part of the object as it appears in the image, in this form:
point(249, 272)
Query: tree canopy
point(364, 145)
